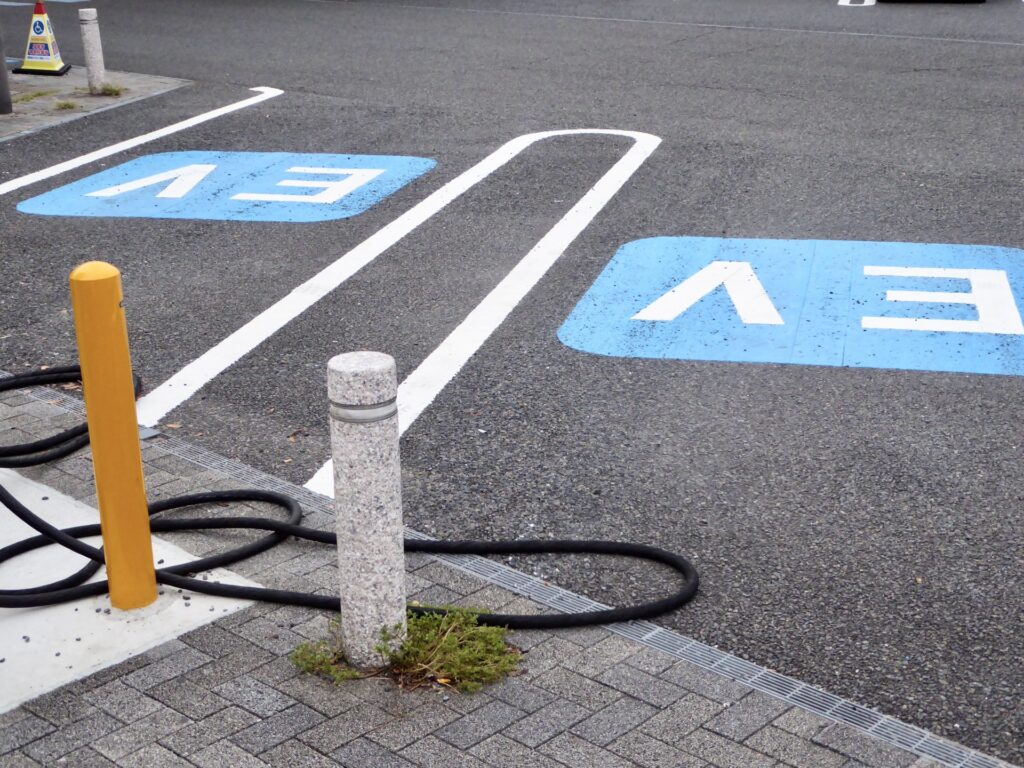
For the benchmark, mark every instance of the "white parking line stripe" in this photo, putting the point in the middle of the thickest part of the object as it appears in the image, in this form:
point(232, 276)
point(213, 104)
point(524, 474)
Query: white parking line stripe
point(186, 382)
point(68, 165)
point(424, 384)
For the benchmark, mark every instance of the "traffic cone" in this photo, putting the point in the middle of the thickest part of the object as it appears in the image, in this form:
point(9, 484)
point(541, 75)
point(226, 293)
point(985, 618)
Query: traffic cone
point(42, 57)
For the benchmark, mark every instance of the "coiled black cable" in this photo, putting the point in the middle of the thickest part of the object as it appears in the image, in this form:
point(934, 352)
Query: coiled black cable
point(74, 587)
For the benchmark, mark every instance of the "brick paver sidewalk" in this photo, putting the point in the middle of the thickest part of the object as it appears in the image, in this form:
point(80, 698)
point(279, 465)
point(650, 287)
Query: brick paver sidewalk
point(227, 695)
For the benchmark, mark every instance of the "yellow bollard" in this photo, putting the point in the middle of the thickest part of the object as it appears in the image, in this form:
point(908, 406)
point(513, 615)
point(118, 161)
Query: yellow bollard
point(113, 432)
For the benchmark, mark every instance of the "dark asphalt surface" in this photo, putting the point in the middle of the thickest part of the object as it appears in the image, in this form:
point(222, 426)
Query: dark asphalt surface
point(858, 529)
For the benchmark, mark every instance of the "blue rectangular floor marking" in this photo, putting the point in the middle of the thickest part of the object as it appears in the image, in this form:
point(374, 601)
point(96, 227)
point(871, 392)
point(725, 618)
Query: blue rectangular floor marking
point(907, 306)
point(240, 186)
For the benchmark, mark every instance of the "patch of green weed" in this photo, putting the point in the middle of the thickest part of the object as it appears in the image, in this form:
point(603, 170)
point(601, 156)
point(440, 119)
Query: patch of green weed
point(450, 649)
point(24, 98)
point(66, 105)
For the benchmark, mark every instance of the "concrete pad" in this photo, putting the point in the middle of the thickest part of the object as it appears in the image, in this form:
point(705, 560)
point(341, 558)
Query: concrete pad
point(41, 101)
point(44, 648)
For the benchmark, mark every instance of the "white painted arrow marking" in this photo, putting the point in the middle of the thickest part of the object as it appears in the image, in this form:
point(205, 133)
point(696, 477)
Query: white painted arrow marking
point(183, 180)
point(737, 277)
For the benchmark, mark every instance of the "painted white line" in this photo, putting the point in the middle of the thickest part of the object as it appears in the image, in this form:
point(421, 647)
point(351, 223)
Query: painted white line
point(855, 3)
point(425, 383)
point(264, 93)
point(181, 386)
point(45, 648)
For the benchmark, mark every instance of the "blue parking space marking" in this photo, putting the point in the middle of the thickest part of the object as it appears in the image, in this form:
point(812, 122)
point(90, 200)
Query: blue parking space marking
point(239, 186)
point(906, 306)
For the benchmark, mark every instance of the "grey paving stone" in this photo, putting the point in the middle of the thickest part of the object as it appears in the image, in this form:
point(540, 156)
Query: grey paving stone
point(236, 663)
point(640, 685)
point(104, 676)
point(926, 762)
point(747, 716)
point(315, 628)
point(383, 693)
point(722, 752)
point(860, 746)
point(201, 734)
point(794, 750)
point(122, 701)
point(580, 753)
point(651, 660)
point(649, 752)
point(502, 752)
point(280, 727)
point(405, 729)
point(802, 723)
point(192, 700)
point(12, 716)
point(466, 702)
point(275, 672)
point(434, 753)
point(295, 754)
point(479, 724)
point(164, 650)
point(584, 637)
point(308, 561)
point(414, 584)
point(442, 575)
point(213, 640)
point(265, 633)
point(416, 560)
point(59, 708)
point(18, 760)
point(672, 725)
point(154, 756)
point(581, 690)
point(224, 754)
point(436, 596)
point(546, 723)
point(363, 753)
point(490, 598)
point(710, 685)
point(85, 758)
point(520, 694)
point(141, 733)
point(259, 698)
point(525, 639)
point(166, 669)
point(72, 736)
point(323, 696)
point(613, 721)
point(547, 655)
point(355, 722)
point(601, 656)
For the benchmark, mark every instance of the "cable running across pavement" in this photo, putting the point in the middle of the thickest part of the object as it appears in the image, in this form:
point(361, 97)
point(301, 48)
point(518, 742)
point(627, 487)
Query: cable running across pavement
point(182, 576)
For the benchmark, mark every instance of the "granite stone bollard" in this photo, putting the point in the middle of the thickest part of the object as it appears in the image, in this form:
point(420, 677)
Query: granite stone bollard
point(363, 387)
point(92, 48)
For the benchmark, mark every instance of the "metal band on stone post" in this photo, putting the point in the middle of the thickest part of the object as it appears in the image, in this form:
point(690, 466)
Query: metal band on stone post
point(362, 387)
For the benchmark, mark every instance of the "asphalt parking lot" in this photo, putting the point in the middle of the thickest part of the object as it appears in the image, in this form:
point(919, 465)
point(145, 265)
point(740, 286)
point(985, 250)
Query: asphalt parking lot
point(852, 501)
